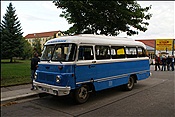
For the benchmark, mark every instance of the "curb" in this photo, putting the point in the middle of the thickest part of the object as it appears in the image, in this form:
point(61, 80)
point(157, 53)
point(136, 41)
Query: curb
point(15, 85)
point(19, 97)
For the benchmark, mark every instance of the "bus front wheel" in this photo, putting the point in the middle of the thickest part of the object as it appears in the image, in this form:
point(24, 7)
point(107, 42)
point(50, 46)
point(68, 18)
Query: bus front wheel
point(82, 94)
point(130, 85)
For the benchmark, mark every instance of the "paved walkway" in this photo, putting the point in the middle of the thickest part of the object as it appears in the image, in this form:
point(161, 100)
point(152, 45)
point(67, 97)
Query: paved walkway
point(14, 93)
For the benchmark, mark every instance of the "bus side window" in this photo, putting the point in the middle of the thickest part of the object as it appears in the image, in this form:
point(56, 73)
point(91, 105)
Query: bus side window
point(131, 52)
point(141, 52)
point(117, 52)
point(102, 52)
point(85, 53)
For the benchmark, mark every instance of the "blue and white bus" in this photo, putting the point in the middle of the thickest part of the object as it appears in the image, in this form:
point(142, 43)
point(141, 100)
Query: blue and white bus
point(85, 63)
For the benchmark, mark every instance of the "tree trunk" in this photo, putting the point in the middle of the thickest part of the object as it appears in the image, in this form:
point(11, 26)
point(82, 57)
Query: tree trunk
point(11, 59)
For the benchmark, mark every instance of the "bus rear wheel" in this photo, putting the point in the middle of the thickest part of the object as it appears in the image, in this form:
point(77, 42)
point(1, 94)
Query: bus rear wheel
point(130, 85)
point(82, 94)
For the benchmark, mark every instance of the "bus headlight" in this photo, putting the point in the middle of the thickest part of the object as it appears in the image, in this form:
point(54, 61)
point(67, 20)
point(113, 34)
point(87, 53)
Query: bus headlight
point(58, 79)
point(35, 76)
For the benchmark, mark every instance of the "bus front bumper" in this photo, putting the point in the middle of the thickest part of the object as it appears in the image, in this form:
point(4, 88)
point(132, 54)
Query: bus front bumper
point(54, 90)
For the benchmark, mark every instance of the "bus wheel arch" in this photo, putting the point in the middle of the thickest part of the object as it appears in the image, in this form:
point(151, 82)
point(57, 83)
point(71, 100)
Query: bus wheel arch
point(135, 78)
point(130, 85)
point(82, 94)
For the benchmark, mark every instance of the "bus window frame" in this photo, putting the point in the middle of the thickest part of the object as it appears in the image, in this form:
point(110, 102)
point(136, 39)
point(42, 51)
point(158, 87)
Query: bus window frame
point(117, 46)
point(109, 50)
point(143, 52)
point(110, 47)
point(78, 50)
point(130, 55)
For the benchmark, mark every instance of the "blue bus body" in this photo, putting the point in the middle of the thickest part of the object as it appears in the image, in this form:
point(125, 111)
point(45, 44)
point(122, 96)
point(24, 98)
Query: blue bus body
point(47, 74)
point(62, 77)
point(107, 75)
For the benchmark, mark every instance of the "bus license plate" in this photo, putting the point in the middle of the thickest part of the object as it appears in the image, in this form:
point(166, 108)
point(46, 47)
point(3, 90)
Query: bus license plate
point(45, 89)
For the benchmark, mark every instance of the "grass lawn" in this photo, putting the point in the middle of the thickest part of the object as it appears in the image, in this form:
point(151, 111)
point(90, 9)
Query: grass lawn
point(15, 73)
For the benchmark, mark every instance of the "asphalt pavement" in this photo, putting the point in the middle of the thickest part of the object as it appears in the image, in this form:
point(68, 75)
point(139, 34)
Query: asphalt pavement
point(15, 93)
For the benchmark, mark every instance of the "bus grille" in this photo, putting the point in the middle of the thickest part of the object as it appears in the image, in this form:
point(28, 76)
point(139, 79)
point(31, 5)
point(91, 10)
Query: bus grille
point(46, 77)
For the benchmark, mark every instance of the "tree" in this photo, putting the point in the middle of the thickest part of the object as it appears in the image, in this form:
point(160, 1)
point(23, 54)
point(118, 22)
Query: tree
point(104, 17)
point(27, 49)
point(37, 46)
point(11, 35)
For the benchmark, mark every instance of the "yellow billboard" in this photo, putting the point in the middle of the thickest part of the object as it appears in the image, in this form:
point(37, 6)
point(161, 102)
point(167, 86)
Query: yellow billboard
point(164, 44)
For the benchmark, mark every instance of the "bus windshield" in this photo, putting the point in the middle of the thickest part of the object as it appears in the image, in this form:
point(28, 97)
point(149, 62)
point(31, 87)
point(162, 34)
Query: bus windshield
point(59, 52)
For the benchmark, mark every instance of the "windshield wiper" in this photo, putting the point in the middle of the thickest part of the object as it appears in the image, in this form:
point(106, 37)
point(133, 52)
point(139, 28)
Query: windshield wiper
point(49, 61)
point(60, 61)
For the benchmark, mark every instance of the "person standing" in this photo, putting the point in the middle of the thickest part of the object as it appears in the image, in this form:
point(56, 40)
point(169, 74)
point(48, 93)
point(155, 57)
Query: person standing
point(157, 62)
point(172, 63)
point(168, 63)
point(163, 63)
point(34, 65)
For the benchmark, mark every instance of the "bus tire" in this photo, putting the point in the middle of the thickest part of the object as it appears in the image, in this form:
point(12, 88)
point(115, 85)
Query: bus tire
point(82, 94)
point(130, 85)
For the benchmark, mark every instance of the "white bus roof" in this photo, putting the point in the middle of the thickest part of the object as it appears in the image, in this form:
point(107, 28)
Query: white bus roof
point(95, 39)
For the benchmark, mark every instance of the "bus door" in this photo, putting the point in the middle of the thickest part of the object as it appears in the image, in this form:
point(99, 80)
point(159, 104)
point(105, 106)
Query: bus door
point(85, 69)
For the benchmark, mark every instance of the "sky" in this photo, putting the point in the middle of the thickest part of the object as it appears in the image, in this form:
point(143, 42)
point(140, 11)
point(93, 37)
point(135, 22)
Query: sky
point(43, 16)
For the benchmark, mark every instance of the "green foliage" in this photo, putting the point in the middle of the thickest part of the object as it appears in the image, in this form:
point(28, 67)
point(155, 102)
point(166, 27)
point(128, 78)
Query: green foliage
point(11, 35)
point(15, 73)
point(104, 17)
point(37, 46)
point(27, 50)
